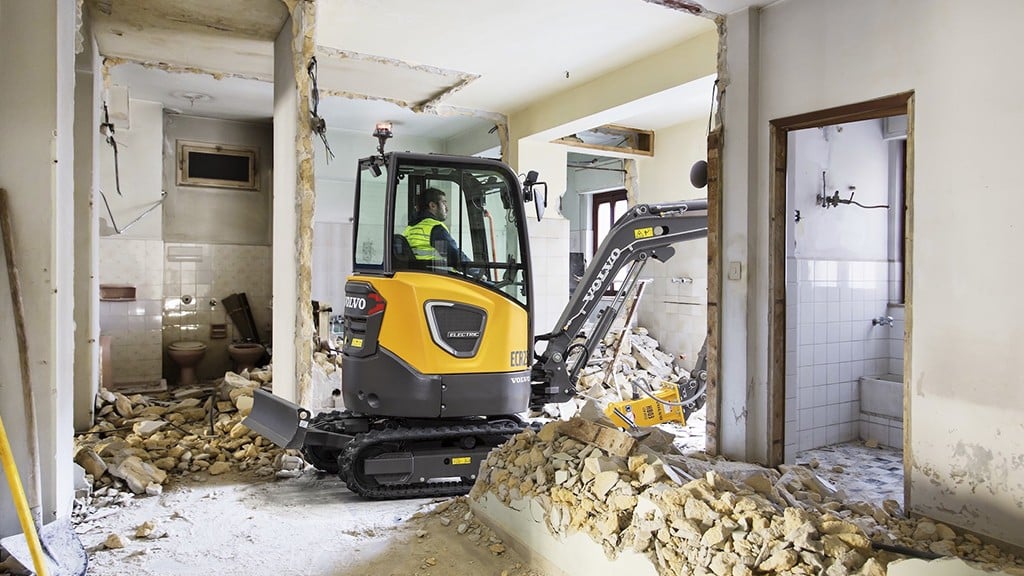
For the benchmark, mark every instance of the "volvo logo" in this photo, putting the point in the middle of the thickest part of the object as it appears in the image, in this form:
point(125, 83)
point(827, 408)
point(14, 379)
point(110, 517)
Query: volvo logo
point(595, 286)
point(463, 334)
point(355, 302)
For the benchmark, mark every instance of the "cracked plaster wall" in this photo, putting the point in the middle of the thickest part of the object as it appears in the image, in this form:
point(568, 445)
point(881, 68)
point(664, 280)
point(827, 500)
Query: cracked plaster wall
point(36, 168)
point(964, 382)
point(294, 199)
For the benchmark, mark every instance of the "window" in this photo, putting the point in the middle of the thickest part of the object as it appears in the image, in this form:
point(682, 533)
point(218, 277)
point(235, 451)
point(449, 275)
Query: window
point(217, 166)
point(607, 208)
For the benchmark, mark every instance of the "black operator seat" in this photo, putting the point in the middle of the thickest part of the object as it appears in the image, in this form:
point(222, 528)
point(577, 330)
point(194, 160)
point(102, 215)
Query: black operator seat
point(401, 253)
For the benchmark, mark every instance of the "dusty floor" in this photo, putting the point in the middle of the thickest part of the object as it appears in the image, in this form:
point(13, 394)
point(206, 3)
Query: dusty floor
point(864, 473)
point(308, 526)
point(313, 526)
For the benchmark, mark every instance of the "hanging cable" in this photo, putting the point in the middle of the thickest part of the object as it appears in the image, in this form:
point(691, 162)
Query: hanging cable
point(113, 223)
point(318, 124)
point(699, 170)
point(711, 110)
point(107, 129)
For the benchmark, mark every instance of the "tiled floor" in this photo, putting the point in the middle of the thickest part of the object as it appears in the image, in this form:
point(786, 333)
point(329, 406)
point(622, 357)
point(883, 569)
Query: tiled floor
point(869, 474)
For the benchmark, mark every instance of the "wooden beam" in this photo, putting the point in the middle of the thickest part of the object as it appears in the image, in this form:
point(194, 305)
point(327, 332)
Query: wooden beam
point(777, 299)
point(714, 367)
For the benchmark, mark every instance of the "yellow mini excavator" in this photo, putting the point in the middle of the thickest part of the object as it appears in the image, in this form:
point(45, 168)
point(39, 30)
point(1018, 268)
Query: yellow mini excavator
point(438, 358)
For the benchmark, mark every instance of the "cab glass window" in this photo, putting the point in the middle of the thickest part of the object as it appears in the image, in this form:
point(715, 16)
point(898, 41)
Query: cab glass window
point(478, 238)
point(369, 238)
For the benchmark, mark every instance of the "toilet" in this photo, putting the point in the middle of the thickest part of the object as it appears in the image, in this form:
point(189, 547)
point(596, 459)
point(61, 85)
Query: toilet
point(186, 355)
point(245, 355)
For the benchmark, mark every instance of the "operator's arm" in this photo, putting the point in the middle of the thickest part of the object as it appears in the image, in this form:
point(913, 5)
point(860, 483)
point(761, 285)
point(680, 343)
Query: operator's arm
point(446, 245)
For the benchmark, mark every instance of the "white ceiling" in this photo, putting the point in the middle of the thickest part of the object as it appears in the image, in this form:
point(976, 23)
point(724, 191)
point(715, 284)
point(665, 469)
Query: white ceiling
point(470, 61)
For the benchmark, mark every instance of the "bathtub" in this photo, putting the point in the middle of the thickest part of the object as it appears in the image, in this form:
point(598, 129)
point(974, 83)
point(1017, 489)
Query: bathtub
point(881, 410)
point(882, 395)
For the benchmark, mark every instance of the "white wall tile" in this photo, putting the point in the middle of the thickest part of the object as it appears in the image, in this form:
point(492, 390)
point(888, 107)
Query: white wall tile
point(835, 345)
point(820, 437)
point(820, 371)
point(806, 440)
point(847, 391)
point(832, 434)
point(805, 398)
point(895, 439)
point(820, 353)
point(820, 416)
point(831, 373)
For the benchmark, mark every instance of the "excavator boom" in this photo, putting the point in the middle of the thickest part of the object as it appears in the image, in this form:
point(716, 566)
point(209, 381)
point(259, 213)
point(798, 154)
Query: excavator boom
point(646, 231)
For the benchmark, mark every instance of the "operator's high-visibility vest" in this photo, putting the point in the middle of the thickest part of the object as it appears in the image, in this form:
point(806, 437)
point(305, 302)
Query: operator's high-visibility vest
point(418, 236)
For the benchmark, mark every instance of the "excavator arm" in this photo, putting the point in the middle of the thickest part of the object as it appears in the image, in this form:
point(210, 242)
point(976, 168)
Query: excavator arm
point(646, 231)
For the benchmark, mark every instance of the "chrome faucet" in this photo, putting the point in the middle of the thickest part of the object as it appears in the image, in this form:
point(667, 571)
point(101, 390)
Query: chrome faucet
point(882, 321)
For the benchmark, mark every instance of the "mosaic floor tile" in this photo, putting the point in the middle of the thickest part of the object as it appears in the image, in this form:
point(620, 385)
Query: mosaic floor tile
point(869, 474)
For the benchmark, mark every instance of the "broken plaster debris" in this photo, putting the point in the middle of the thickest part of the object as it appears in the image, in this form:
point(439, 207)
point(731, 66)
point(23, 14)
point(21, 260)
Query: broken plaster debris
point(139, 443)
point(693, 514)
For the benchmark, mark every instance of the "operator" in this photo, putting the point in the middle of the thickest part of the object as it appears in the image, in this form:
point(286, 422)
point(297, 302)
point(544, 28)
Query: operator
point(428, 236)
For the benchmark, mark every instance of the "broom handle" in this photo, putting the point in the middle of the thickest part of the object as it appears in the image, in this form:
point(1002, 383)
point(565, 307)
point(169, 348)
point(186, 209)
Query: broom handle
point(21, 503)
point(14, 279)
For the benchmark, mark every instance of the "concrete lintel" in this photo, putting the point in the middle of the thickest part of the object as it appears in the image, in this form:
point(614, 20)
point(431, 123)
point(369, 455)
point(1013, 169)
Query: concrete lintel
point(111, 61)
point(684, 6)
point(328, 52)
point(438, 110)
point(436, 100)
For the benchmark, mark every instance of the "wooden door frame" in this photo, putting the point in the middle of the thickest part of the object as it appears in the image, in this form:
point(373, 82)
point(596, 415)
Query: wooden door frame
point(897, 104)
point(712, 403)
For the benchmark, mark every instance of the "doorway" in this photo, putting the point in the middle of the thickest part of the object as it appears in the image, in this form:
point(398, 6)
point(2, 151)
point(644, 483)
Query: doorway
point(840, 206)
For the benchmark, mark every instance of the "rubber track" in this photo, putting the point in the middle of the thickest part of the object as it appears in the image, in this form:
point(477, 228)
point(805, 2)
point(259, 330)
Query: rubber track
point(506, 428)
point(323, 461)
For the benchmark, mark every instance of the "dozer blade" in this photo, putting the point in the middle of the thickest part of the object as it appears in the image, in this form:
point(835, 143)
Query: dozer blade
point(278, 420)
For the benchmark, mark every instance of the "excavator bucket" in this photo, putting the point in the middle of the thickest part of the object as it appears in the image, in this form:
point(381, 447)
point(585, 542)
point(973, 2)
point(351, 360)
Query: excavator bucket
point(278, 420)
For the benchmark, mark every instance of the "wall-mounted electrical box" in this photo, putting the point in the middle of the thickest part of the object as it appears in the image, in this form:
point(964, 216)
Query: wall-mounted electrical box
point(118, 109)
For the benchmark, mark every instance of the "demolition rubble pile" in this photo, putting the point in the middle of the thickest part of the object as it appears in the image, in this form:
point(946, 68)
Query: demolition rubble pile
point(139, 441)
point(695, 514)
point(623, 357)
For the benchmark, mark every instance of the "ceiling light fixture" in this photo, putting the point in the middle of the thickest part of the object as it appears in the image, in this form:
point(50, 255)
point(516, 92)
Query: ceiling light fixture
point(193, 97)
point(382, 131)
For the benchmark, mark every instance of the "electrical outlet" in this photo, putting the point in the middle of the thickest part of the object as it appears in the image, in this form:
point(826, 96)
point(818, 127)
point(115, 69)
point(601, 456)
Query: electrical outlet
point(735, 270)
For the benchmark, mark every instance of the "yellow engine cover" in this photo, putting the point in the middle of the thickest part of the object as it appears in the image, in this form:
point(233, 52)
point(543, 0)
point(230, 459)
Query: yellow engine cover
point(405, 331)
point(646, 411)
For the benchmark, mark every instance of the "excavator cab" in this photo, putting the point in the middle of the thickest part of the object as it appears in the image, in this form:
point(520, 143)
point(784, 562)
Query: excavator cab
point(442, 332)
